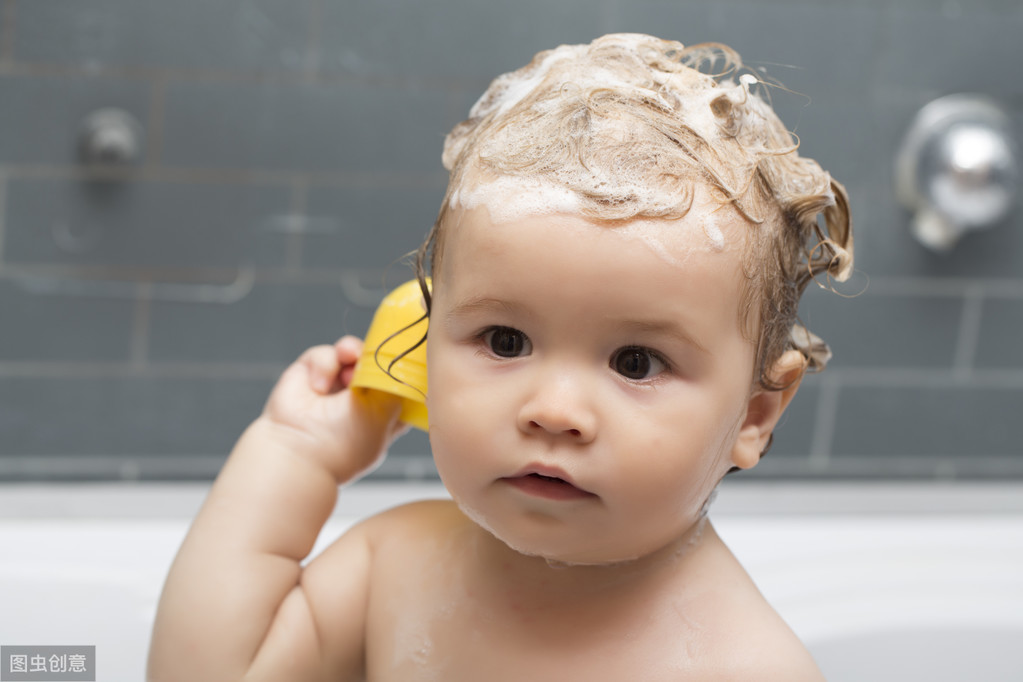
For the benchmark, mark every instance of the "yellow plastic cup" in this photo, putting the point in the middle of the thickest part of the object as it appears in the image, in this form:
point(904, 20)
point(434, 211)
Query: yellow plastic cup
point(398, 324)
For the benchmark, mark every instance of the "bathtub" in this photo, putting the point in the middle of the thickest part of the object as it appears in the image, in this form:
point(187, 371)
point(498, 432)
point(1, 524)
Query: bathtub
point(882, 582)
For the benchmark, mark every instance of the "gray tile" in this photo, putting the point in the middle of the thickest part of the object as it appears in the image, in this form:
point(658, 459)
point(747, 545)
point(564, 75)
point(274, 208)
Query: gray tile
point(824, 124)
point(885, 245)
point(924, 423)
point(824, 74)
point(953, 10)
point(338, 127)
point(255, 34)
point(131, 417)
point(792, 42)
point(142, 224)
point(1001, 334)
point(396, 77)
point(449, 38)
point(971, 51)
point(793, 437)
point(43, 114)
point(150, 428)
point(59, 328)
point(273, 324)
point(687, 22)
point(369, 228)
point(799, 45)
point(416, 444)
point(884, 241)
point(874, 330)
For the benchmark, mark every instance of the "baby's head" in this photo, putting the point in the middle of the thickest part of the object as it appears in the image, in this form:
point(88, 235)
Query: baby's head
point(631, 126)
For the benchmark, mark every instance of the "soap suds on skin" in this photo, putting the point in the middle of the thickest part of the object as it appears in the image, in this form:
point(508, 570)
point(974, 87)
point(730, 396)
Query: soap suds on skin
point(509, 198)
point(714, 234)
point(512, 88)
point(566, 74)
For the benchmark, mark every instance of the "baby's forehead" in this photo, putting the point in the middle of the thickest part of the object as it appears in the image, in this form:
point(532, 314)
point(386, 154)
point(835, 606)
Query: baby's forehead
point(507, 199)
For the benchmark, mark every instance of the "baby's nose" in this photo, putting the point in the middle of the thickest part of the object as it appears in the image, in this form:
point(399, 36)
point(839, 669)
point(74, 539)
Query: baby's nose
point(560, 406)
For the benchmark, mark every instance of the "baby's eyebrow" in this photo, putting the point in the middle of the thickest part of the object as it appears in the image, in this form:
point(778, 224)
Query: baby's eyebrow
point(482, 304)
point(663, 328)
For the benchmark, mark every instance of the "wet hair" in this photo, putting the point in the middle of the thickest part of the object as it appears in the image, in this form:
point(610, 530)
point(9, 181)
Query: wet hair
point(628, 126)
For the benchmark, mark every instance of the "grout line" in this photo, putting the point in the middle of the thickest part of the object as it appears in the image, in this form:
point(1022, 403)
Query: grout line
point(313, 55)
point(969, 332)
point(932, 378)
point(8, 22)
point(92, 370)
point(824, 425)
point(454, 107)
point(155, 125)
point(227, 76)
point(3, 212)
point(295, 244)
point(140, 327)
point(946, 287)
point(161, 276)
point(212, 176)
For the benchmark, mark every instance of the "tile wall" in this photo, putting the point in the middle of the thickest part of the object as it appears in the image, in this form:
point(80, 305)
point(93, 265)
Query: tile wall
point(291, 157)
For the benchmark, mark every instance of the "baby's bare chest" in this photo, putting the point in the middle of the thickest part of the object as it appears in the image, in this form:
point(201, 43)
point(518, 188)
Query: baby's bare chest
point(454, 652)
point(444, 605)
point(448, 635)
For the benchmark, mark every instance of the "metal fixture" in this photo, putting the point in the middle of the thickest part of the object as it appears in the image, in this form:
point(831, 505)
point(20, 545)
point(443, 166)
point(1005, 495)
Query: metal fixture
point(178, 292)
point(957, 168)
point(110, 137)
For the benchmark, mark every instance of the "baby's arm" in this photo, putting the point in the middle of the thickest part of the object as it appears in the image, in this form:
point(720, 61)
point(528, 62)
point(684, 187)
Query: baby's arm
point(237, 603)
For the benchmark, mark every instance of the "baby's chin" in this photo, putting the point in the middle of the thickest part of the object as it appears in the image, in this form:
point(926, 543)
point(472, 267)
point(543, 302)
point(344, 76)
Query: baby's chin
point(554, 557)
point(591, 557)
point(563, 560)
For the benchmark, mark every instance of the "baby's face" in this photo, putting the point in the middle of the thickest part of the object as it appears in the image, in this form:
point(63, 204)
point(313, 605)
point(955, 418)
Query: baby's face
point(586, 382)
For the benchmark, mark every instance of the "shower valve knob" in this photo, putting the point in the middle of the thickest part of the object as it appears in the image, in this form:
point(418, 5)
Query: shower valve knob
point(957, 168)
point(110, 137)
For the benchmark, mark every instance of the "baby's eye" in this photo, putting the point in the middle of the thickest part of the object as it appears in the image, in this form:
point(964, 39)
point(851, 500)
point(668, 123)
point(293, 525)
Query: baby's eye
point(506, 342)
point(634, 362)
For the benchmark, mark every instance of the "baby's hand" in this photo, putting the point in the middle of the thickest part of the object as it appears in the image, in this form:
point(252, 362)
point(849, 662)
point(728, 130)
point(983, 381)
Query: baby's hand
point(321, 418)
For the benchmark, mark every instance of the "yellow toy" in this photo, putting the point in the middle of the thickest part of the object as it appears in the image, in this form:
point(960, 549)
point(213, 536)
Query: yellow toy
point(399, 324)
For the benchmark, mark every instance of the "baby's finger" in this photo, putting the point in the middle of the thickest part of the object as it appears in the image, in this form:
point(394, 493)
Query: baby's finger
point(322, 366)
point(348, 349)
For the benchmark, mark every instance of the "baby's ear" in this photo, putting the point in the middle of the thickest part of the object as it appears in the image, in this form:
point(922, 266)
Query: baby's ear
point(765, 409)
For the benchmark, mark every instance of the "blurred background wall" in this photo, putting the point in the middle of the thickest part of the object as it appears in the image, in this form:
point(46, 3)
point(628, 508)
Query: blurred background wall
point(291, 156)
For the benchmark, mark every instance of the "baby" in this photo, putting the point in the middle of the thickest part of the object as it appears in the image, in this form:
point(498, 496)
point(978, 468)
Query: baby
point(616, 270)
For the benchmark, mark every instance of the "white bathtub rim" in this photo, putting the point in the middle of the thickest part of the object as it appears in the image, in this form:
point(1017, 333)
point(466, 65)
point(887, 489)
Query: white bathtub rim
point(755, 498)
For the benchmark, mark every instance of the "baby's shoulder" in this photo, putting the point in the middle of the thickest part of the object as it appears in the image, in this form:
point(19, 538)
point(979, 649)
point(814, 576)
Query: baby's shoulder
point(417, 514)
point(411, 526)
point(752, 642)
point(744, 638)
point(762, 648)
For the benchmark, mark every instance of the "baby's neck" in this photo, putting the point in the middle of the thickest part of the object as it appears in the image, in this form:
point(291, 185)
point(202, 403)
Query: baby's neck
point(544, 579)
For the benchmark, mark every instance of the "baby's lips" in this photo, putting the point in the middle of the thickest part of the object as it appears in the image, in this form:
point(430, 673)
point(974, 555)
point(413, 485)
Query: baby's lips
point(549, 472)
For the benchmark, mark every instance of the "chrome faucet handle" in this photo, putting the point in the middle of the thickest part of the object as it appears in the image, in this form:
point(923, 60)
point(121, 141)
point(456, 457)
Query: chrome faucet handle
point(957, 168)
point(110, 137)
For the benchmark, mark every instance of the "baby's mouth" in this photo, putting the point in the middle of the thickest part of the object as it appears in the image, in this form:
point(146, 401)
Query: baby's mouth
point(547, 486)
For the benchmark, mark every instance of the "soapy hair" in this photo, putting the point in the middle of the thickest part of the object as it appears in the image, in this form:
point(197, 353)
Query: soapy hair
point(629, 125)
